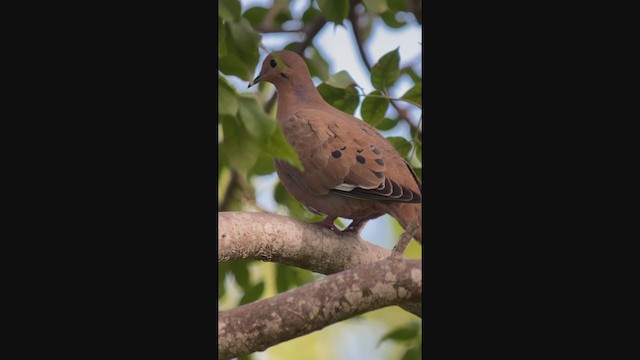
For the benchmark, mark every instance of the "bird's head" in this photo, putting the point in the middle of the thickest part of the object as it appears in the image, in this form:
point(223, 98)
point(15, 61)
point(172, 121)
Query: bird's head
point(282, 67)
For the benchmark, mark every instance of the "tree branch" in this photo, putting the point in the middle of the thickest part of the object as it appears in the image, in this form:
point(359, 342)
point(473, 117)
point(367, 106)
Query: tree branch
point(292, 242)
point(353, 18)
point(275, 238)
point(405, 238)
point(259, 325)
point(416, 9)
point(231, 189)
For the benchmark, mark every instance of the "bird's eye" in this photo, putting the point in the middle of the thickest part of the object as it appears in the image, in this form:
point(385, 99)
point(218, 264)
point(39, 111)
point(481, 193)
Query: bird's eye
point(273, 63)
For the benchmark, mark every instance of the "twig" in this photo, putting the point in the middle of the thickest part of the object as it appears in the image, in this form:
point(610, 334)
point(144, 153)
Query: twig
point(416, 9)
point(311, 31)
point(353, 18)
point(405, 238)
point(231, 189)
point(267, 22)
point(276, 29)
point(272, 101)
point(391, 99)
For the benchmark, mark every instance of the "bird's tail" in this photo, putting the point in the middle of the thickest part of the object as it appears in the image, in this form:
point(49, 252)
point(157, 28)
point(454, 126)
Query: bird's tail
point(405, 213)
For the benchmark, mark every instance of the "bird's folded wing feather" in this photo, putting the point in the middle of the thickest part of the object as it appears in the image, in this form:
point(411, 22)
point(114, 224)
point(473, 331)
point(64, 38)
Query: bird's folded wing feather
point(342, 156)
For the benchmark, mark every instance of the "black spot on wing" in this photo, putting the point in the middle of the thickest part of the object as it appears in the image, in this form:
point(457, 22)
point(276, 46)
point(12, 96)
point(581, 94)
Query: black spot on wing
point(360, 159)
point(336, 154)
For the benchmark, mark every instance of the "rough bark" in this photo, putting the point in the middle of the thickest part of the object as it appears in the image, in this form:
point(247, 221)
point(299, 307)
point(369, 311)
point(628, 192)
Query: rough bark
point(291, 242)
point(259, 325)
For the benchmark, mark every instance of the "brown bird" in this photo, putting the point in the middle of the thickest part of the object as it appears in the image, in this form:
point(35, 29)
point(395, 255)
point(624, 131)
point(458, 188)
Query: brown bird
point(350, 169)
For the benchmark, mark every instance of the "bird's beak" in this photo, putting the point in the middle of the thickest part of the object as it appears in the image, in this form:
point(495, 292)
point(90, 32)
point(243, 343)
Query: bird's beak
point(256, 80)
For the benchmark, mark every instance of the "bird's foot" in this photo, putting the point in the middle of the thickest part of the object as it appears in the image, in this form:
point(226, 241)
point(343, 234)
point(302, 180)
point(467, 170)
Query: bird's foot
point(328, 223)
point(355, 226)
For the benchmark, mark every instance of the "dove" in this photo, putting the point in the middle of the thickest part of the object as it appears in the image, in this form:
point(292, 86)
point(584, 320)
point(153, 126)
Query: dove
point(350, 170)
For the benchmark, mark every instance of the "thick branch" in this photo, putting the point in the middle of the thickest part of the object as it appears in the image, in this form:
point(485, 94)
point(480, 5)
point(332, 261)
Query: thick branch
point(257, 326)
point(292, 242)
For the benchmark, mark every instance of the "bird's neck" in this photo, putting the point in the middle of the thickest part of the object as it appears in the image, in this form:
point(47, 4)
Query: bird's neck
point(293, 96)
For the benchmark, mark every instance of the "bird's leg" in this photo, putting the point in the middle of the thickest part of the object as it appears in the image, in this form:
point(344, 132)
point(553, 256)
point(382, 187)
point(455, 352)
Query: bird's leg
point(356, 225)
point(328, 223)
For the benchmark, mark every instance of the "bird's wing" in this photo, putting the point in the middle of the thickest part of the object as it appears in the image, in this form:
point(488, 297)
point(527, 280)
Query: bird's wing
point(345, 156)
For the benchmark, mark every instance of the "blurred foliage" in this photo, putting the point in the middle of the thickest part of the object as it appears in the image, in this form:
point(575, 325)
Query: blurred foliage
point(410, 336)
point(250, 138)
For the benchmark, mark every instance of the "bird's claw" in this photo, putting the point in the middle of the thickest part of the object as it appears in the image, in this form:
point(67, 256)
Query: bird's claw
point(328, 223)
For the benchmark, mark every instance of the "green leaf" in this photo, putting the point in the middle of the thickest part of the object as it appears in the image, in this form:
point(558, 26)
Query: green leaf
point(346, 100)
point(414, 94)
point(398, 5)
point(279, 148)
point(283, 278)
point(374, 107)
point(292, 46)
point(252, 293)
point(289, 277)
point(386, 71)
point(334, 10)
point(258, 124)
point(341, 80)
point(285, 14)
point(280, 194)
point(414, 353)
point(222, 36)
point(386, 124)
point(240, 271)
point(318, 66)
point(389, 18)
point(240, 153)
point(418, 172)
point(227, 98)
point(414, 76)
point(376, 6)
point(403, 333)
point(244, 37)
point(310, 14)
point(242, 42)
point(302, 276)
point(401, 145)
point(264, 165)
point(419, 151)
point(255, 15)
point(296, 210)
point(229, 9)
point(222, 275)
point(231, 65)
